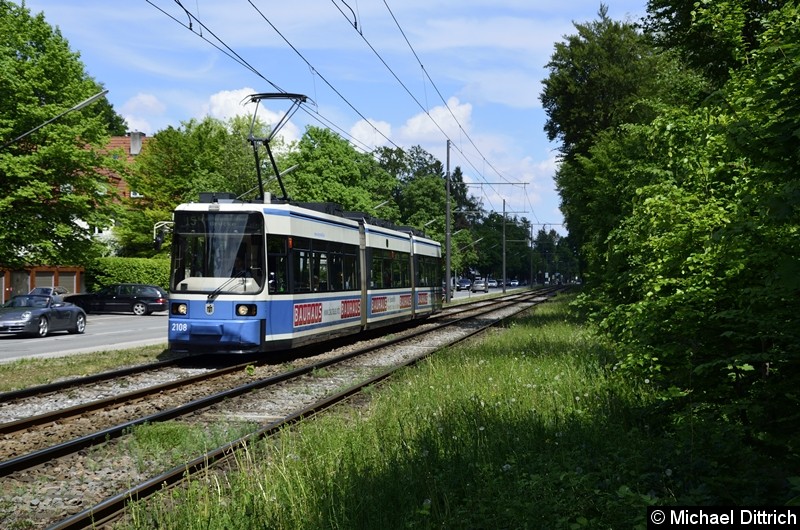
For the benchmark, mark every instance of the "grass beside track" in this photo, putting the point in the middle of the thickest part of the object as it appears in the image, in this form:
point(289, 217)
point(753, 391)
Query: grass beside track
point(24, 373)
point(528, 429)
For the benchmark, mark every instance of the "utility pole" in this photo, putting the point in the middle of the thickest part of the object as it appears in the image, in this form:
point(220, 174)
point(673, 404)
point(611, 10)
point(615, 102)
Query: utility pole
point(504, 246)
point(447, 278)
point(530, 278)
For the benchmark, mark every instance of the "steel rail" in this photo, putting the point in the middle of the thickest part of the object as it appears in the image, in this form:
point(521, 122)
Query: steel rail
point(77, 410)
point(80, 381)
point(38, 457)
point(112, 508)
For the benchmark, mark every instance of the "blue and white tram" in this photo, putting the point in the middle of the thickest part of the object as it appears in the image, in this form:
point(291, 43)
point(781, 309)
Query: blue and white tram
point(267, 276)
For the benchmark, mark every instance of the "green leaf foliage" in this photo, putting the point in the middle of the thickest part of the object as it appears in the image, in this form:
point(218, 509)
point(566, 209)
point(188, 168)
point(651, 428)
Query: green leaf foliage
point(106, 271)
point(713, 37)
point(689, 225)
point(329, 169)
point(54, 189)
point(595, 78)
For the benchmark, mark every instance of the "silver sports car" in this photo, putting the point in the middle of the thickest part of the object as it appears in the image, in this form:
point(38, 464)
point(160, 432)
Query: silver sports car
point(38, 315)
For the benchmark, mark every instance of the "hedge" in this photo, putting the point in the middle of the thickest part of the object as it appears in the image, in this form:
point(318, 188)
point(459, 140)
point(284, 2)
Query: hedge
point(107, 271)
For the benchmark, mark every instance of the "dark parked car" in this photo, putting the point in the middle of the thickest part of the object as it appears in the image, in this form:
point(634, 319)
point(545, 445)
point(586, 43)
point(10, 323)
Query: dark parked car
point(463, 284)
point(138, 298)
point(38, 315)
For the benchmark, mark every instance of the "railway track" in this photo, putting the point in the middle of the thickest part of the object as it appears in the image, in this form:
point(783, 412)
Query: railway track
point(259, 399)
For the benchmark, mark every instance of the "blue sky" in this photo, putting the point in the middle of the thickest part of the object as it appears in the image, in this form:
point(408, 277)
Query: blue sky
point(467, 70)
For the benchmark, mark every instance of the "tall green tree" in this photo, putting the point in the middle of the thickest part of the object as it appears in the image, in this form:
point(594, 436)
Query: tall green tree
point(712, 37)
point(421, 192)
point(54, 192)
point(330, 169)
point(604, 79)
point(701, 290)
point(596, 78)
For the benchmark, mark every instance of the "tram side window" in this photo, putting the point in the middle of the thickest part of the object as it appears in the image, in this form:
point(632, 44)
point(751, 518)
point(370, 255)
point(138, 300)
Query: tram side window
point(321, 266)
point(426, 272)
point(390, 269)
point(397, 274)
point(319, 280)
point(337, 280)
point(350, 273)
point(335, 272)
point(405, 269)
point(380, 270)
point(400, 266)
point(301, 273)
point(277, 264)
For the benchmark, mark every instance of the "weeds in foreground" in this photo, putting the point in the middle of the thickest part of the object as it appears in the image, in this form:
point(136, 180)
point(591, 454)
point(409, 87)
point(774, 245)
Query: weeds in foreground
point(526, 430)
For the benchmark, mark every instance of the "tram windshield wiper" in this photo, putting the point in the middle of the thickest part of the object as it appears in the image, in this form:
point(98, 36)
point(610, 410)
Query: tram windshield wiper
point(238, 276)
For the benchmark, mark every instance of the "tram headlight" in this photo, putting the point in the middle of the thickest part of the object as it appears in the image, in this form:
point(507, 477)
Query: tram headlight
point(180, 309)
point(246, 310)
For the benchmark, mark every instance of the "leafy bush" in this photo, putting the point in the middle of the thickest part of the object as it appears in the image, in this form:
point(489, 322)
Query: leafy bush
point(698, 282)
point(106, 271)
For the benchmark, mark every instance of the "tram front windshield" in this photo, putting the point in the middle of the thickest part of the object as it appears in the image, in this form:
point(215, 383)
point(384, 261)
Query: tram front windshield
point(218, 252)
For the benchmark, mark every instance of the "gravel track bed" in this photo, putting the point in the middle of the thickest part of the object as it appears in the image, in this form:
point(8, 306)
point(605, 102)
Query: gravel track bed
point(42, 496)
point(36, 405)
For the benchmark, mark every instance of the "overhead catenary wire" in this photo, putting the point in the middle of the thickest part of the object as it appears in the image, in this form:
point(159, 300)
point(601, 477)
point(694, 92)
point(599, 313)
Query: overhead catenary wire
point(337, 92)
point(461, 128)
point(414, 98)
point(314, 113)
point(439, 93)
point(315, 71)
point(228, 51)
point(225, 49)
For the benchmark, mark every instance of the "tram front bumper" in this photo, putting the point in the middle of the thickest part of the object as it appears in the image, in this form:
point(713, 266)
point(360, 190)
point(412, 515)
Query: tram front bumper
point(215, 336)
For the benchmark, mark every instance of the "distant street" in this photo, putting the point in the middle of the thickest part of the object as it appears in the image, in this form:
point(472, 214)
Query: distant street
point(458, 295)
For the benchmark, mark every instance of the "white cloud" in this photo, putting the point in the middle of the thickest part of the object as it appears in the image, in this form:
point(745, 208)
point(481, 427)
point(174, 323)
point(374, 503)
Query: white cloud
point(140, 110)
point(226, 104)
point(372, 133)
point(143, 104)
point(428, 127)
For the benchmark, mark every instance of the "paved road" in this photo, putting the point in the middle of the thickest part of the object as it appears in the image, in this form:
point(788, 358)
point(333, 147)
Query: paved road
point(458, 295)
point(103, 332)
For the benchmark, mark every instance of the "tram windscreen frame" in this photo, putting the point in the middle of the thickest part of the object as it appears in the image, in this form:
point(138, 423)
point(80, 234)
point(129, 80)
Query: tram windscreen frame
point(212, 248)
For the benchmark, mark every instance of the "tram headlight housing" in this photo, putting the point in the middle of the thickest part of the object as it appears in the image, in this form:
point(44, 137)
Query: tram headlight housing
point(246, 310)
point(180, 309)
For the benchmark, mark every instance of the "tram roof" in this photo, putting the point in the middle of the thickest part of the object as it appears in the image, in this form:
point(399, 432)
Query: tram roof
point(329, 208)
